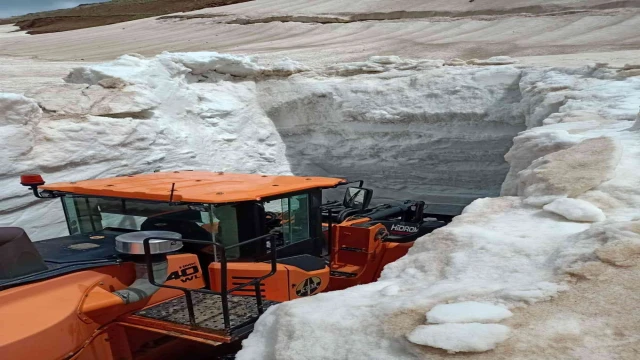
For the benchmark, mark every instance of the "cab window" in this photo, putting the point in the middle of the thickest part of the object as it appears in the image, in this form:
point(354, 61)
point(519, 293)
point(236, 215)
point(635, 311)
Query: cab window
point(225, 228)
point(294, 215)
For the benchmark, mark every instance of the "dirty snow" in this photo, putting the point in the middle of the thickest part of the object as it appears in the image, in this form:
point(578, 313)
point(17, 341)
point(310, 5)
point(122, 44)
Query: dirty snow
point(467, 312)
point(454, 338)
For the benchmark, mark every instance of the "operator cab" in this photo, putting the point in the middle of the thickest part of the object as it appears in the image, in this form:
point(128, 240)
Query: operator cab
point(231, 210)
point(290, 217)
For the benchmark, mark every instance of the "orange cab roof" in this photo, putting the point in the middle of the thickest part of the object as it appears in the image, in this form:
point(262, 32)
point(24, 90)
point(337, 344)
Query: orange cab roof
point(195, 186)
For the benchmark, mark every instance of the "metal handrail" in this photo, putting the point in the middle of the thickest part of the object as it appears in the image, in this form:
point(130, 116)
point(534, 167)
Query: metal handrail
point(224, 292)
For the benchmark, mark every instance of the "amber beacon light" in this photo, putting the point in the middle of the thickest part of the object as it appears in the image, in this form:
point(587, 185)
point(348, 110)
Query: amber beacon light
point(31, 180)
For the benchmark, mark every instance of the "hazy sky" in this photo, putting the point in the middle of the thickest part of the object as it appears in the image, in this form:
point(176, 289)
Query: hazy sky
point(19, 7)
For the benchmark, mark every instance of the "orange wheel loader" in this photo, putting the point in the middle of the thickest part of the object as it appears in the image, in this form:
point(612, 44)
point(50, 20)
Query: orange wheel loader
point(169, 264)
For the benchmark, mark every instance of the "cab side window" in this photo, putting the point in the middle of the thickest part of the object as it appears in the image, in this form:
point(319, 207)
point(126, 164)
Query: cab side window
point(294, 215)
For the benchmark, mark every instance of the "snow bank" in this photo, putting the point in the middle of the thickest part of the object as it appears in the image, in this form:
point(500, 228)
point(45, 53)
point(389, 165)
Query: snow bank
point(508, 250)
point(570, 172)
point(157, 70)
point(415, 128)
point(20, 116)
point(134, 115)
point(411, 128)
point(467, 312)
point(18, 109)
point(576, 210)
point(496, 60)
point(460, 337)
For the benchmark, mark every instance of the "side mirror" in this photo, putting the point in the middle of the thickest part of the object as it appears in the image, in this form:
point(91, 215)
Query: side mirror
point(357, 198)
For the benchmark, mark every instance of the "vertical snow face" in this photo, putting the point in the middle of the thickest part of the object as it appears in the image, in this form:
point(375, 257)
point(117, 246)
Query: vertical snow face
point(636, 126)
point(133, 115)
point(411, 128)
point(437, 135)
point(581, 156)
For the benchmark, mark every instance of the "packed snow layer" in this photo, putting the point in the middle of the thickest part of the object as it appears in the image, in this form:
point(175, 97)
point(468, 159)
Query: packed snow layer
point(129, 116)
point(454, 338)
point(413, 129)
point(583, 143)
point(467, 312)
point(576, 210)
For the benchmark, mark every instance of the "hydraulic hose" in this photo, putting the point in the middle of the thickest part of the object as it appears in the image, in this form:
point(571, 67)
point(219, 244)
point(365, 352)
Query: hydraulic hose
point(141, 288)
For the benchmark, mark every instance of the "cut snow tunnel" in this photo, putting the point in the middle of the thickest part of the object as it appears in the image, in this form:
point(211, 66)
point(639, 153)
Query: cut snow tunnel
point(412, 129)
point(438, 135)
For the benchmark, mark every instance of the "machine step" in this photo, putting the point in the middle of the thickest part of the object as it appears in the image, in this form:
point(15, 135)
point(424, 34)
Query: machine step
point(172, 316)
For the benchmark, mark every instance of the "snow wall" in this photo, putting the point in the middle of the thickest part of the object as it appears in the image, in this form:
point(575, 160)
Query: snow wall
point(566, 229)
point(549, 270)
point(411, 129)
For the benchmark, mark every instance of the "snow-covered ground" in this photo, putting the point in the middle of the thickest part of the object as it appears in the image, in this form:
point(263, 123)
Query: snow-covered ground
point(9, 31)
point(322, 32)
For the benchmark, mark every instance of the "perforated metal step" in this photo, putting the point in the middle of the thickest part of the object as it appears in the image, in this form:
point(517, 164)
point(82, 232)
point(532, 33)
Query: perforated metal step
point(207, 308)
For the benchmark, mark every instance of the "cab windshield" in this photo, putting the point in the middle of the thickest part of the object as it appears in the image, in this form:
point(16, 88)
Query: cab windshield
point(229, 225)
point(86, 215)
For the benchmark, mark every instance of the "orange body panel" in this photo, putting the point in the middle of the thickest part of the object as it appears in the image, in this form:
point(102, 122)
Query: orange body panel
point(108, 343)
point(282, 286)
point(45, 320)
point(195, 186)
point(360, 255)
point(172, 329)
point(273, 288)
